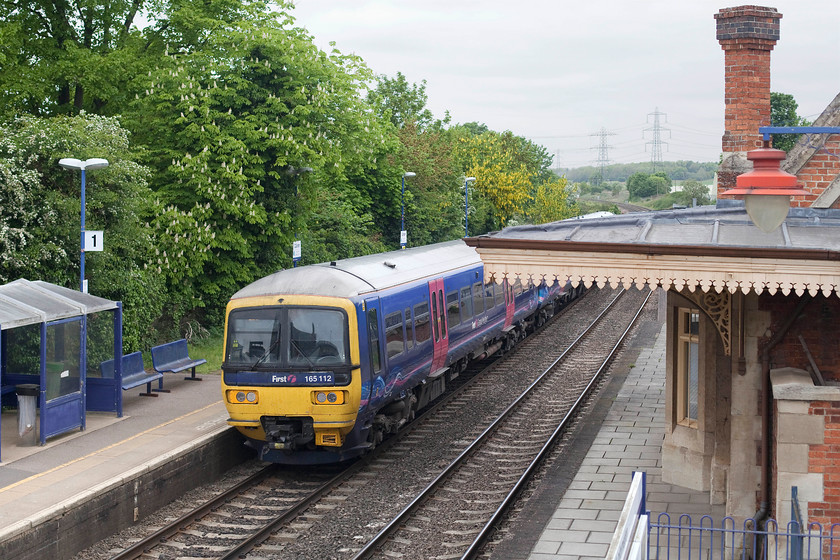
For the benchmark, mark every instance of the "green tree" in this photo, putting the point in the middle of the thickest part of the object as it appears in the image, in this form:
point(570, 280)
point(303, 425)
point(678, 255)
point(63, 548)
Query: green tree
point(692, 190)
point(225, 124)
point(783, 109)
point(401, 102)
point(553, 200)
point(39, 238)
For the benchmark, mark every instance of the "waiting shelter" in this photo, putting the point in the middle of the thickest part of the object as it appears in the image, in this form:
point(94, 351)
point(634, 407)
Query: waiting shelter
point(48, 336)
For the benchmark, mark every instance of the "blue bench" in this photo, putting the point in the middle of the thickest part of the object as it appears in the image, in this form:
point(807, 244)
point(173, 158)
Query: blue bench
point(173, 357)
point(133, 373)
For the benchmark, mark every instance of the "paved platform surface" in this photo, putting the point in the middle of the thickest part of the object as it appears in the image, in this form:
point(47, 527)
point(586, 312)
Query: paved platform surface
point(629, 439)
point(36, 482)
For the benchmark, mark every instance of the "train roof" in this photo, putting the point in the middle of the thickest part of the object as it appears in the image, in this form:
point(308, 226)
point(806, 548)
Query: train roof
point(360, 275)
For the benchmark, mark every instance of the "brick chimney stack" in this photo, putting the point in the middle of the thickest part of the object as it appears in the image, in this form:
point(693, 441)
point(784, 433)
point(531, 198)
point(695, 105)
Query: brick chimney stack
point(747, 34)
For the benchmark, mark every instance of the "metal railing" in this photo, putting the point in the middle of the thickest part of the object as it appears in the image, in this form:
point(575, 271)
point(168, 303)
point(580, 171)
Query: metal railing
point(683, 539)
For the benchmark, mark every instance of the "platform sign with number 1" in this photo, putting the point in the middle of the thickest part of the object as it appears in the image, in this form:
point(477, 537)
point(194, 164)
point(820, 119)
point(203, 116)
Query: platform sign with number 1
point(94, 240)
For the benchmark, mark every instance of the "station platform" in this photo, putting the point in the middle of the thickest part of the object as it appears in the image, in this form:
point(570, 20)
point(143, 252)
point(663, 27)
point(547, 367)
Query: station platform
point(50, 484)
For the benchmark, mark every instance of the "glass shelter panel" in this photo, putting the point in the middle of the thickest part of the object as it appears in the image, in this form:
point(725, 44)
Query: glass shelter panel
point(63, 358)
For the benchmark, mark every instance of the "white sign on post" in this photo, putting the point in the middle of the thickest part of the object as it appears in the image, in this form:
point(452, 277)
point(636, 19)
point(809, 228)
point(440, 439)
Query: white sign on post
point(403, 237)
point(94, 240)
point(296, 250)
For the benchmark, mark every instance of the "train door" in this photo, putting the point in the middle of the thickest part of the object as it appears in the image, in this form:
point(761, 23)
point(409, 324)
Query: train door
point(510, 303)
point(374, 350)
point(440, 331)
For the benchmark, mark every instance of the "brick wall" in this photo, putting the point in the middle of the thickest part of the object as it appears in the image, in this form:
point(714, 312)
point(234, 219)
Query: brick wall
point(825, 459)
point(818, 173)
point(818, 327)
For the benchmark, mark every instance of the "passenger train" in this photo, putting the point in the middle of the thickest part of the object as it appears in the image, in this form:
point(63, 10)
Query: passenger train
point(323, 361)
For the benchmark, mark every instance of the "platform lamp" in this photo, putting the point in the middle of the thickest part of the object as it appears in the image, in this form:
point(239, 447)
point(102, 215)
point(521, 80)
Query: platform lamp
point(403, 234)
point(92, 163)
point(766, 189)
point(467, 182)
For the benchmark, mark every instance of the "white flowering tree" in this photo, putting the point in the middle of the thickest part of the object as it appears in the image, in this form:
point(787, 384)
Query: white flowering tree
point(40, 213)
point(229, 128)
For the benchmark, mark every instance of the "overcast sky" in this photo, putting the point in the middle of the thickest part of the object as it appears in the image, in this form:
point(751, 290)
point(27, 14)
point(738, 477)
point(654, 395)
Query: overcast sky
point(557, 72)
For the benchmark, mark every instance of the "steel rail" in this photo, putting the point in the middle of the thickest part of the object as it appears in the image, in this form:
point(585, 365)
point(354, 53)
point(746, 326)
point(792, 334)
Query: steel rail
point(401, 517)
point(491, 525)
point(144, 545)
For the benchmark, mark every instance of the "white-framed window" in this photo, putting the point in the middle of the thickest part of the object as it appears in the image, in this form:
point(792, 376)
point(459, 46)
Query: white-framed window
point(688, 366)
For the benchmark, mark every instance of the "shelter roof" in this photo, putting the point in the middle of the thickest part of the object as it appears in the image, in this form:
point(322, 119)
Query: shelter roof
point(713, 247)
point(23, 302)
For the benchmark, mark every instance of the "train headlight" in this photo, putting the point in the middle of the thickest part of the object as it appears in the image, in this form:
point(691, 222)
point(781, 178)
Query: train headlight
point(328, 397)
point(243, 397)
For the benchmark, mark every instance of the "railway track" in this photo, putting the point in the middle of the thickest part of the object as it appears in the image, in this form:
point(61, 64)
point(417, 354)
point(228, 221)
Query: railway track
point(319, 513)
point(467, 499)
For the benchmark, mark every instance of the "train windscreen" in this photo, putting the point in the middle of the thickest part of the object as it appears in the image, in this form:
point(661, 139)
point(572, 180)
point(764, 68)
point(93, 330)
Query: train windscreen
point(275, 337)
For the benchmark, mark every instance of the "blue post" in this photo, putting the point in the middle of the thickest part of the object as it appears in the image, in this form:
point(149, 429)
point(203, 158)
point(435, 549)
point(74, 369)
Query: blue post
point(402, 212)
point(403, 235)
point(467, 205)
point(82, 282)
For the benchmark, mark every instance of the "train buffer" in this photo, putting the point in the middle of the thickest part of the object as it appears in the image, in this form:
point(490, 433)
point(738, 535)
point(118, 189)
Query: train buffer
point(173, 357)
point(133, 373)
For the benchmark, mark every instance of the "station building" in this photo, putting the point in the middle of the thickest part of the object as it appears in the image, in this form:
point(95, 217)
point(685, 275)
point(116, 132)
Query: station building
point(753, 376)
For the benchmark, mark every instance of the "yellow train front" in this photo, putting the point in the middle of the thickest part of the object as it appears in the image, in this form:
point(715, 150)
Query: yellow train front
point(290, 375)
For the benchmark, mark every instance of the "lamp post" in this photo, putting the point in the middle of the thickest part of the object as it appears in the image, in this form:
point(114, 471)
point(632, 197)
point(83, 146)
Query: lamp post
point(403, 234)
point(766, 189)
point(92, 163)
point(296, 247)
point(467, 182)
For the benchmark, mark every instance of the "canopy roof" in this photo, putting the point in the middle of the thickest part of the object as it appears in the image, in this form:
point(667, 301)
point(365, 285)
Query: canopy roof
point(713, 248)
point(25, 303)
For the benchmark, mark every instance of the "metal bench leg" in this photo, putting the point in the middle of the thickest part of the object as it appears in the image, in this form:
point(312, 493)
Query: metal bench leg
point(193, 377)
point(148, 392)
point(160, 388)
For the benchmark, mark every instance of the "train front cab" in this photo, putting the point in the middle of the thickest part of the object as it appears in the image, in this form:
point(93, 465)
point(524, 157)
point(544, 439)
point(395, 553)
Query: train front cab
point(291, 375)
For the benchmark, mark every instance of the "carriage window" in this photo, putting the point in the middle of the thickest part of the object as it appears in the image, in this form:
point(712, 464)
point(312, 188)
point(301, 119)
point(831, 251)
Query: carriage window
point(517, 287)
point(373, 341)
point(452, 310)
point(478, 299)
point(409, 330)
point(500, 294)
point(435, 321)
point(489, 302)
point(466, 304)
point(442, 315)
point(394, 342)
point(421, 322)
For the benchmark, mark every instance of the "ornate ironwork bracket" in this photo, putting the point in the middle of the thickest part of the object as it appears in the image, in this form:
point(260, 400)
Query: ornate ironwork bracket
point(718, 307)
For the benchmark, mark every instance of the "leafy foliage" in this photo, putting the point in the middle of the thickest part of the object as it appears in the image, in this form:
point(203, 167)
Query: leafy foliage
point(39, 236)
point(677, 170)
point(783, 109)
point(641, 185)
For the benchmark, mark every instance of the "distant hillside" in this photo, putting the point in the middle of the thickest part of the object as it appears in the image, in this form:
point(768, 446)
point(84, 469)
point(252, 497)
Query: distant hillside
point(676, 170)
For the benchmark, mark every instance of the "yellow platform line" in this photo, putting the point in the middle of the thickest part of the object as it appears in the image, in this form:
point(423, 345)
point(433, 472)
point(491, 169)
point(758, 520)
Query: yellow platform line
point(135, 436)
